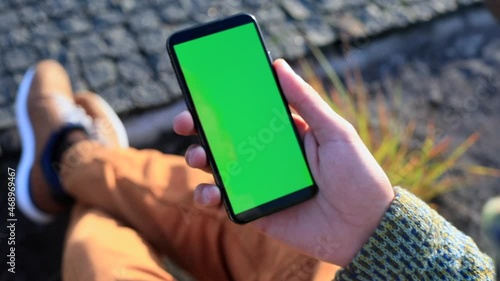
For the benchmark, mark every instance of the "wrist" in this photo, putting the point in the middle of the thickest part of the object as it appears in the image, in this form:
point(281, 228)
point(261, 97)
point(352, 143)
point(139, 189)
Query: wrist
point(364, 227)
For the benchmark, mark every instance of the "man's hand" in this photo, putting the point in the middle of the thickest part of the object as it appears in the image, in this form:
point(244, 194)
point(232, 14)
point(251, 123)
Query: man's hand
point(354, 192)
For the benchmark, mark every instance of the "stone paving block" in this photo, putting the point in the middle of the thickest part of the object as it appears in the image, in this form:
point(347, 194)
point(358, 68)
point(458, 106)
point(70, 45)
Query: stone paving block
point(60, 8)
point(19, 36)
point(326, 6)
point(255, 3)
point(46, 30)
point(10, 142)
point(170, 84)
point(33, 15)
point(50, 49)
point(149, 94)
point(388, 4)
point(89, 46)
point(202, 17)
point(7, 91)
point(78, 84)
point(19, 59)
point(5, 42)
point(443, 6)
point(200, 11)
point(99, 73)
point(397, 17)
point(372, 18)
point(420, 12)
point(127, 5)
point(219, 10)
point(18, 76)
point(359, 3)
point(176, 12)
point(118, 98)
point(272, 43)
point(317, 32)
point(2, 66)
point(144, 21)
point(157, 63)
point(160, 3)
point(9, 19)
point(171, 28)
point(387, 18)
point(74, 25)
point(296, 9)
point(289, 38)
point(154, 42)
point(18, 3)
point(491, 53)
point(348, 25)
point(3, 5)
point(160, 62)
point(120, 42)
point(270, 14)
point(70, 62)
point(227, 7)
point(7, 119)
point(108, 18)
point(275, 49)
point(135, 70)
point(97, 6)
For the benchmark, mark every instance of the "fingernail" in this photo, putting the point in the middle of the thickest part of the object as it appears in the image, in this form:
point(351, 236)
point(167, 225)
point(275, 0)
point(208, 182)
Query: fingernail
point(190, 156)
point(205, 196)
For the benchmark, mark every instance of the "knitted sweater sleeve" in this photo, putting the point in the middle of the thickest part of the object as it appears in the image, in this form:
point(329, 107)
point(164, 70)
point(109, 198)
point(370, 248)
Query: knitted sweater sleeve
point(413, 242)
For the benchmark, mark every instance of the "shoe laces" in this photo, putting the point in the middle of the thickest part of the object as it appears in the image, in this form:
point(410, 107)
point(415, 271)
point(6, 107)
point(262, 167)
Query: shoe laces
point(72, 113)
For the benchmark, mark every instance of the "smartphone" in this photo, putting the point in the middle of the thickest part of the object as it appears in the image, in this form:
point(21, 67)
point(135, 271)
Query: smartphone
point(241, 116)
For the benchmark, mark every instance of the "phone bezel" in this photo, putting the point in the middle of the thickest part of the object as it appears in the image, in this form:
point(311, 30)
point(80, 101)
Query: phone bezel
point(208, 29)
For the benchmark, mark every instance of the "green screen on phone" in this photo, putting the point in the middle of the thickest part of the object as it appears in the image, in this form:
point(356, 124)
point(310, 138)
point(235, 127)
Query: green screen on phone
point(244, 117)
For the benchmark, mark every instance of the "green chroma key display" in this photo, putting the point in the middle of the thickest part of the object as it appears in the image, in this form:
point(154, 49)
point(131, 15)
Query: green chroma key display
point(244, 118)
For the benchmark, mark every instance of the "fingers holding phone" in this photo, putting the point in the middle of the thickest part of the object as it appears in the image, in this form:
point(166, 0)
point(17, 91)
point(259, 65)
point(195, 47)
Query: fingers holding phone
point(208, 195)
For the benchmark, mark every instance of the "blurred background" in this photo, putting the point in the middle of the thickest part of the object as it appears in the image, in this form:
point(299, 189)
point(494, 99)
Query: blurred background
point(419, 79)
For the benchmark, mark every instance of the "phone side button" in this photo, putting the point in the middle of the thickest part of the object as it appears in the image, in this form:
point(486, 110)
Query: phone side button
point(226, 208)
point(269, 55)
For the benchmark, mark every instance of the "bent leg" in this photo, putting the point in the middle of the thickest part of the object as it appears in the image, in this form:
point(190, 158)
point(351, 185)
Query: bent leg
point(152, 192)
point(98, 247)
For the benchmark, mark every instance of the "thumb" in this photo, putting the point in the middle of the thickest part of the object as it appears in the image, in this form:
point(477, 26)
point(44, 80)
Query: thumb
point(324, 122)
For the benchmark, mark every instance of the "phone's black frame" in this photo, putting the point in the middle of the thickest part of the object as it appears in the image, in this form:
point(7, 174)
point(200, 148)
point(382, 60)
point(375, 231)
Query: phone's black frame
point(208, 29)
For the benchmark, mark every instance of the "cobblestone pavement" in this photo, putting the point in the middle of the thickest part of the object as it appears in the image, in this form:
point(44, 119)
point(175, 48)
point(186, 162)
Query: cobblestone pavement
point(116, 47)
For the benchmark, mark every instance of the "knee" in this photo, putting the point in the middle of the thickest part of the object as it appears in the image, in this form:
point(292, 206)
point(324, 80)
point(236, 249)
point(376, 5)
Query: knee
point(85, 239)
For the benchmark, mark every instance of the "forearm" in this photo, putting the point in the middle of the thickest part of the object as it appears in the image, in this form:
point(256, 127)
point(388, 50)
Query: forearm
point(413, 242)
